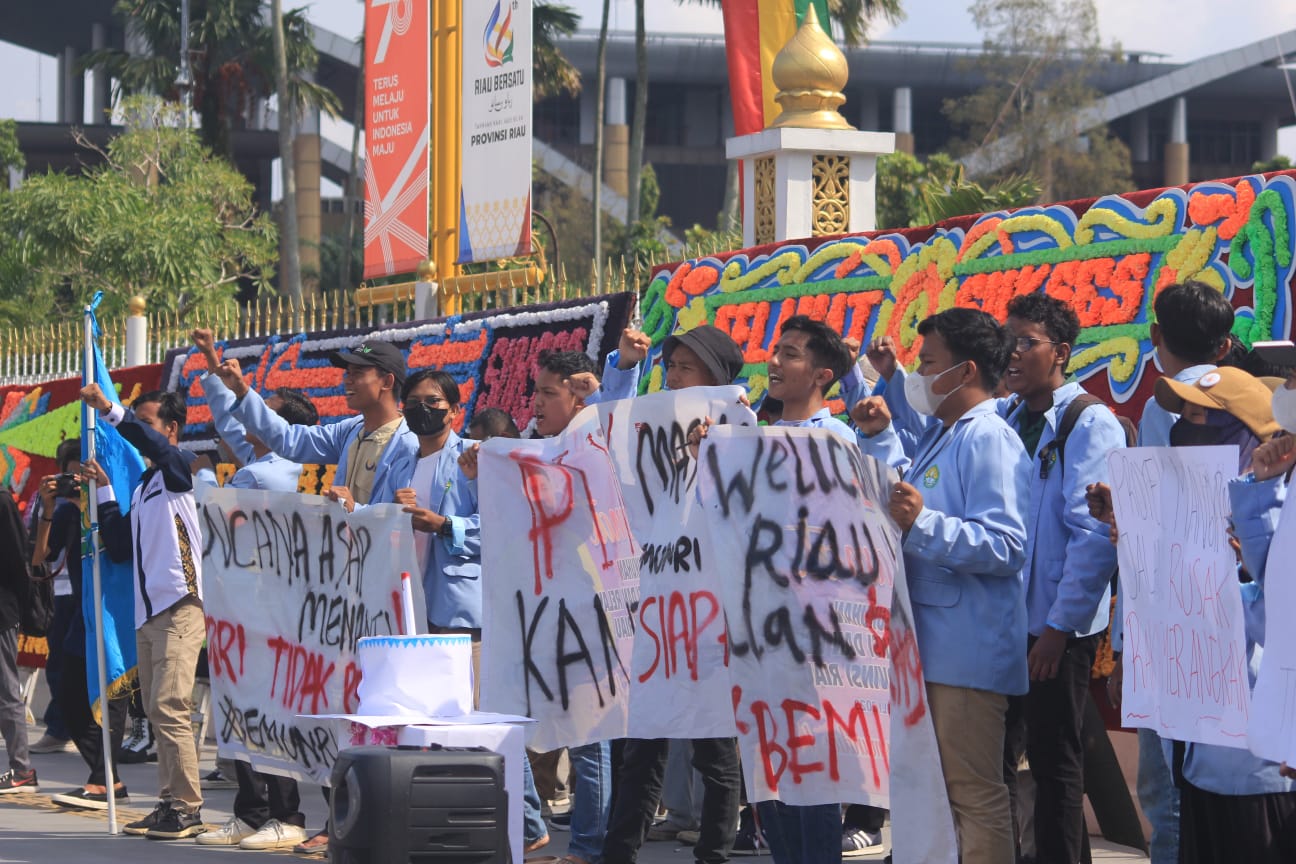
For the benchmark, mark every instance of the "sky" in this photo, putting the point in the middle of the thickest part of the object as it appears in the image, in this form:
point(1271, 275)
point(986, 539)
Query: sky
point(1183, 30)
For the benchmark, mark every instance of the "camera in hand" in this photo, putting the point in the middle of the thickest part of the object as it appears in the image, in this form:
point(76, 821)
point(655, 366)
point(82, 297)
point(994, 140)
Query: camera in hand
point(67, 486)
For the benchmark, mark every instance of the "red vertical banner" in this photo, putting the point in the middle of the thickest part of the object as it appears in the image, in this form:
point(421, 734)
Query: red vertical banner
point(397, 124)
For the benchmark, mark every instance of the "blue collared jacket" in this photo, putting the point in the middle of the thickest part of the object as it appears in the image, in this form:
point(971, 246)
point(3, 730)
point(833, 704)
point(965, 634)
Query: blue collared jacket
point(1229, 770)
point(270, 472)
point(1069, 555)
point(452, 578)
point(330, 444)
point(964, 553)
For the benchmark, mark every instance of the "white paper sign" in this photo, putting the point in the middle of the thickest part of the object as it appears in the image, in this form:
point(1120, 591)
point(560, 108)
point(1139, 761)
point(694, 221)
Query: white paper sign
point(1272, 734)
point(563, 571)
point(291, 583)
point(678, 679)
point(1185, 665)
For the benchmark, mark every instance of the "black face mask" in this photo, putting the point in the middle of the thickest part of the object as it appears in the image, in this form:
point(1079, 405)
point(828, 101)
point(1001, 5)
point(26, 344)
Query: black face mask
point(423, 419)
point(1186, 434)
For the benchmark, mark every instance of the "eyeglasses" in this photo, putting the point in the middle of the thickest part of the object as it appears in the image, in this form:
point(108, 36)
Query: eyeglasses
point(1026, 343)
point(430, 401)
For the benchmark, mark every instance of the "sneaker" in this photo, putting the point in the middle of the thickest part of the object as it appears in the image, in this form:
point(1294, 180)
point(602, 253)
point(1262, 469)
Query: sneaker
point(87, 800)
point(217, 780)
point(316, 846)
point(232, 833)
point(688, 838)
point(177, 825)
point(749, 840)
point(49, 744)
point(12, 782)
point(667, 829)
point(560, 821)
point(142, 826)
point(275, 835)
point(856, 843)
point(135, 749)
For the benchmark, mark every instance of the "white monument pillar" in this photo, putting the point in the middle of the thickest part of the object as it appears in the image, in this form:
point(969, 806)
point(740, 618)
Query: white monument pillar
point(811, 173)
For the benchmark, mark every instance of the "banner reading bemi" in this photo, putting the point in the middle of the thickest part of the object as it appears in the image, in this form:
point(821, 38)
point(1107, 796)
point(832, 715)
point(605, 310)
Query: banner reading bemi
point(292, 582)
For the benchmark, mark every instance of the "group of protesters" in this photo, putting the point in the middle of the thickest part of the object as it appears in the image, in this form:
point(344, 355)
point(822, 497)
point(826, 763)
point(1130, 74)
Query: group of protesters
point(1009, 546)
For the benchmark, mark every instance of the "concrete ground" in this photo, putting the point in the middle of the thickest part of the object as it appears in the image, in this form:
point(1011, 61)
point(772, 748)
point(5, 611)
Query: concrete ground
point(32, 829)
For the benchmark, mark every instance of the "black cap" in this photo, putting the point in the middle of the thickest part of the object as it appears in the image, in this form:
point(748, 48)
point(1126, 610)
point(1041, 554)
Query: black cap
point(383, 356)
point(714, 347)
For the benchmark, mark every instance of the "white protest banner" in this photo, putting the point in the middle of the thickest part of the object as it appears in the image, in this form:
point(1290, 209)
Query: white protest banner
point(495, 183)
point(291, 583)
point(1185, 664)
point(1272, 733)
point(679, 684)
point(563, 568)
point(810, 565)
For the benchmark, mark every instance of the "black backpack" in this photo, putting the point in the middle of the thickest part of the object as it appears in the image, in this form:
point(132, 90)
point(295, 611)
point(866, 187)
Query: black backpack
point(1072, 414)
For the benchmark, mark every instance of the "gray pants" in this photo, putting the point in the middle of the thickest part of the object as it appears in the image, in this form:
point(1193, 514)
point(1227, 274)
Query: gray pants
point(13, 711)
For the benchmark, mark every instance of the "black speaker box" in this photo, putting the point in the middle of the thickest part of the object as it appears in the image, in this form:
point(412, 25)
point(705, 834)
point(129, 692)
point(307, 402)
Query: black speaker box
point(410, 805)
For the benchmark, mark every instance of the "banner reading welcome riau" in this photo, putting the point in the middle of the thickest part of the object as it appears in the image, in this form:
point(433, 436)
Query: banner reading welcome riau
point(681, 629)
point(291, 583)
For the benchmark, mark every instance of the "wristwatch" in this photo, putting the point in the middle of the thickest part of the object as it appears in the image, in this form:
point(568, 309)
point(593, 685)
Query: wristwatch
point(446, 529)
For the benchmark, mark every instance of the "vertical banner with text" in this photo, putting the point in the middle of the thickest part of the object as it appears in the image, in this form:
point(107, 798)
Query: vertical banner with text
point(1185, 661)
point(1272, 734)
point(495, 189)
point(397, 123)
point(679, 675)
point(564, 566)
point(291, 583)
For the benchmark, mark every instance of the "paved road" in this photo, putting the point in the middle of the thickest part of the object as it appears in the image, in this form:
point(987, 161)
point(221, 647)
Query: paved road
point(32, 829)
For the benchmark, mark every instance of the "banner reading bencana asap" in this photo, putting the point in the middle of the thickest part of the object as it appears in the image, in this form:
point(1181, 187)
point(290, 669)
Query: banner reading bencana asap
point(495, 185)
point(397, 97)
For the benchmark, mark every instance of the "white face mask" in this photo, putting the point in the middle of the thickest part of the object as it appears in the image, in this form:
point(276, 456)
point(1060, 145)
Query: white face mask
point(1284, 408)
point(919, 393)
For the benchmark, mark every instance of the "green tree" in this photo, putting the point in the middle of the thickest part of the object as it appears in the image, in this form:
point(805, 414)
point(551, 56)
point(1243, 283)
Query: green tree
point(232, 61)
point(553, 73)
point(911, 192)
point(1037, 61)
point(159, 216)
point(11, 155)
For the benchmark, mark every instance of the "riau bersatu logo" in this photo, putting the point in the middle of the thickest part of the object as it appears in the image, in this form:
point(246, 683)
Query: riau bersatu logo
point(498, 37)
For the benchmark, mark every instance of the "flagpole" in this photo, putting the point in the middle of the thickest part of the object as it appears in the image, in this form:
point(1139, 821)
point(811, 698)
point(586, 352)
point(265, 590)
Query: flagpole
point(89, 417)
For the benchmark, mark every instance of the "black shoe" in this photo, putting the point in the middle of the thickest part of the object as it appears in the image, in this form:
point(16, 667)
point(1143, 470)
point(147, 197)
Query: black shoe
point(135, 749)
point(176, 825)
point(89, 800)
point(749, 840)
point(152, 820)
point(560, 821)
point(12, 782)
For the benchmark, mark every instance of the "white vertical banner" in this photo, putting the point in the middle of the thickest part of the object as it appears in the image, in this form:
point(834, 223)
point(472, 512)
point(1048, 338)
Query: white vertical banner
point(1273, 702)
point(1185, 662)
point(679, 676)
point(495, 187)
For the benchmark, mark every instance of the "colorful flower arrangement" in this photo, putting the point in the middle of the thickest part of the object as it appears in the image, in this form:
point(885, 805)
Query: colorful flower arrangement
point(1107, 257)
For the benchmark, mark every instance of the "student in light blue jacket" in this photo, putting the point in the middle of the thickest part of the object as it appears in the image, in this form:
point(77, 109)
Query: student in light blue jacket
point(963, 510)
point(375, 452)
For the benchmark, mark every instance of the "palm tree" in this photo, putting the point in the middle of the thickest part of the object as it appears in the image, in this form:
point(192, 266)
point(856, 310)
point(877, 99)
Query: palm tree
point(553, 72)
point(852, 17)
point(637, 122)
point(232, 61)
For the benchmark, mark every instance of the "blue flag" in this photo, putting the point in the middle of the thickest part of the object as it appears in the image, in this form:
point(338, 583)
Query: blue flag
point(124, 466)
